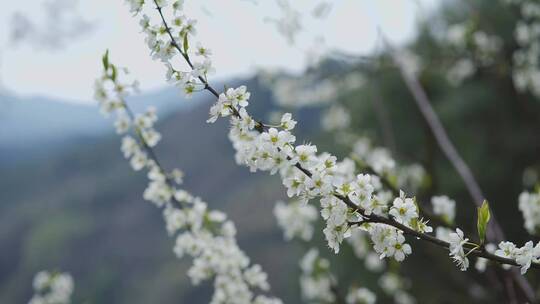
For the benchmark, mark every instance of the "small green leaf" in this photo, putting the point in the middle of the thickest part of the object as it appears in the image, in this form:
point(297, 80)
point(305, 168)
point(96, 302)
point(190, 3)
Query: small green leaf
point(414, 224)
point(186, 43)
point(483, 219)
point(105, 60)
point(416, 204)
point(393, 179)
point(114, 73)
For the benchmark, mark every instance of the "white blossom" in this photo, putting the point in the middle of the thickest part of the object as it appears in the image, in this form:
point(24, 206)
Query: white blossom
point(135, 5)
point(296, 219)
point(305, 155)
point(335, 118)
point(445, 207)
point(122, 124)
point(202, 51)
point(52, 288)
point(287, 122)
point(316, 280)
point(202, 69)
point(360, 295)
point(403, 209)
point(335, 234)
point(457, 240)
point(389, 242)
point(397, 248)
point(529, 205)
point(256, 277)
point(526, 255)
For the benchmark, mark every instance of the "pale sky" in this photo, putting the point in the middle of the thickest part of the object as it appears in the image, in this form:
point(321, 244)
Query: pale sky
point(236, 31)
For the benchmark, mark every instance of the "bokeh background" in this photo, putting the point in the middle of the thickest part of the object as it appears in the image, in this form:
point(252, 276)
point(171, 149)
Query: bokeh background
point(69, 201)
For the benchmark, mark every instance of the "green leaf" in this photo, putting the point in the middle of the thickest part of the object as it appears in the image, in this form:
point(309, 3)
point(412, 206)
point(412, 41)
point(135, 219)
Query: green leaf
point(186, 43)
point(414, 223)
point(483, 219)
point(114, 73)
point(416, 205)
point(393, 179)
point(105, 60)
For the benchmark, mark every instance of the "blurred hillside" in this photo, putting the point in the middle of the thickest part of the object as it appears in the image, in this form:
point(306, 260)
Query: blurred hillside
point(51, 124)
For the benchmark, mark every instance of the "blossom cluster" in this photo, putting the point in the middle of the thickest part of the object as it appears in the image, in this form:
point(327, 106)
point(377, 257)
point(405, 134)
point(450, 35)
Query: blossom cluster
point(389, 242)
point(292, 91)
point(529, 205)
point(307, 175)
point(475, 47)
point(296, 219)
point(407, 176)
point(524, 256)
point(444, 207)
point(393, 285)
point(526, 63)
point(367, 155)
point(457, 240)
point(207, 236)
point(52, 288)
point(378, 158)
point(316, 281)
point(168, 41)
point(361, 295)
point(318, 284)
point(360, 243)
point(335, 118)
